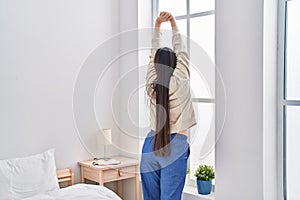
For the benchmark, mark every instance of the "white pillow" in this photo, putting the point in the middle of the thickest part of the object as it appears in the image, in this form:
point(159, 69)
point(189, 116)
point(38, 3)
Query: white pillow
point(28, 176)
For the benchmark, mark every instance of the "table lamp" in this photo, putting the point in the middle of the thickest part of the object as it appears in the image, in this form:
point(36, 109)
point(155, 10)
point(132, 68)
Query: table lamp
point(103, 139)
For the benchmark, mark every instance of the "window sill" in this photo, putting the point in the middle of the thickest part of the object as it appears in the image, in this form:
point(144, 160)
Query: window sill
point(192, 191)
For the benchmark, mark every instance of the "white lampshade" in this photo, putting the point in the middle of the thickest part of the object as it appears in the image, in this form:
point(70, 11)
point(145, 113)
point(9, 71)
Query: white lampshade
point(104, 137)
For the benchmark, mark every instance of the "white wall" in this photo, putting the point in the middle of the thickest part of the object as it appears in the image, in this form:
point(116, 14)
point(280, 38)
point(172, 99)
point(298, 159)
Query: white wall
point(145, 36)
point(128, 62)
point(43, 45)
point(46, 48)
point(239, 58)
point(270, 100)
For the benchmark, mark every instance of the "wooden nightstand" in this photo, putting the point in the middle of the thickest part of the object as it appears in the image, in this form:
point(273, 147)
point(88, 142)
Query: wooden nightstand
point(128, 168)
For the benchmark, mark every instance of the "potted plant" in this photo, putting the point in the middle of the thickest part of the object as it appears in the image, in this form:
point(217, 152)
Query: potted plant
point(204, 174)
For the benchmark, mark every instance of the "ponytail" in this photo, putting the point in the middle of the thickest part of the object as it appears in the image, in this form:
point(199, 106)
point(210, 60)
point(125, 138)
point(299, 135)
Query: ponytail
point(165, 63)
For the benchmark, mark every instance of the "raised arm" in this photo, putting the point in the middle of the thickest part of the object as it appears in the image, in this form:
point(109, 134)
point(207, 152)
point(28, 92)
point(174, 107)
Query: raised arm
point(155, 40)
point(163, 17)
point(182, 67)
point(151, 73)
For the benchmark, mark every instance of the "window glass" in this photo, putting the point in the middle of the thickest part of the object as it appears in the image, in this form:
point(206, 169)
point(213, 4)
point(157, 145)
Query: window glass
point(202, 137)
point(177, 7)
point(201, 5)
point(292, 51)
point(166, 38)
point(202, 56)
point(293, 151)
point(199, 85)
point(203, 33)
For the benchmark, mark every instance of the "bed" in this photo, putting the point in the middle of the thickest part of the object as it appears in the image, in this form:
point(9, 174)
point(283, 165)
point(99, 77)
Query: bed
point(36, 178)
point(78, 192)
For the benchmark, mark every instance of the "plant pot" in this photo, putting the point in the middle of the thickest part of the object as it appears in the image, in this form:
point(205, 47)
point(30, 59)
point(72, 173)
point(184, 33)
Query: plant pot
point(204, 187)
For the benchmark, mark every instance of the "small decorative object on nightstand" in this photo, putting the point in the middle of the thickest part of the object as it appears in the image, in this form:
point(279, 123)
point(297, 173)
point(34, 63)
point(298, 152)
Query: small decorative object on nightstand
point(126, 169)
point(102, 162)
point(104, 138)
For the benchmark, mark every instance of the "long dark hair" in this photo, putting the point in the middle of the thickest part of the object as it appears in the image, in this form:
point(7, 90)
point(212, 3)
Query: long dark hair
point(165, 63)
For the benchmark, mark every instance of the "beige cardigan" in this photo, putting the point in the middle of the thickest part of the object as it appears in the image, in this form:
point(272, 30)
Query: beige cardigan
point(182, 114)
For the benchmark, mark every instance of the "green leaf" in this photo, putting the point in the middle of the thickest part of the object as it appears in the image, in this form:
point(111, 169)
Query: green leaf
point(205, 172)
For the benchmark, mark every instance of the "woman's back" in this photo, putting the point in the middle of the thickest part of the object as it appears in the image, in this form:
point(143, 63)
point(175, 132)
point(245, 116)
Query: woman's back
point(181, 111)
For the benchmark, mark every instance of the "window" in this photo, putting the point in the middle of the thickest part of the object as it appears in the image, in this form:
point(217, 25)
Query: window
point(289, 97)
point(196, 22)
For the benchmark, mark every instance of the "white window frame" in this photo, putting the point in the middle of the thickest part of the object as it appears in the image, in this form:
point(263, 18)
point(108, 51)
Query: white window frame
point(282, 101)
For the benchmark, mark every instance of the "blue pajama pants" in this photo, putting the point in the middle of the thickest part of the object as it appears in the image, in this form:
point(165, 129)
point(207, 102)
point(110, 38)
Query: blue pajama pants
point(163, 178)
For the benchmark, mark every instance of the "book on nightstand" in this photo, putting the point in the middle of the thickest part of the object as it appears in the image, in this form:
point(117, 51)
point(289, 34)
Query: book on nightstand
point(103, 162)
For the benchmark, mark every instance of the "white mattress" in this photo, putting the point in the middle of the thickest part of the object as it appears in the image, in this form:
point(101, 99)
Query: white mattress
point(79, 192)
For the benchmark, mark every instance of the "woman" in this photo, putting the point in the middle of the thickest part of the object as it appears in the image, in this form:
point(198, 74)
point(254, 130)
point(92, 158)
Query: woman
point(165, 150)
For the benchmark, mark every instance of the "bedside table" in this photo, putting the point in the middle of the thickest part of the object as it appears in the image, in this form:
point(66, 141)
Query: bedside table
point(128, 168)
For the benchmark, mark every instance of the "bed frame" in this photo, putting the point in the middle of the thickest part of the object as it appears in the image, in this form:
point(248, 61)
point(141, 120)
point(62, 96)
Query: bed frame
point(65, 175)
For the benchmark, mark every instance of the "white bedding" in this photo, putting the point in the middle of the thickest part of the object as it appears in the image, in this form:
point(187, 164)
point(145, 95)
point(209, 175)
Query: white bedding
point(78, 192)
